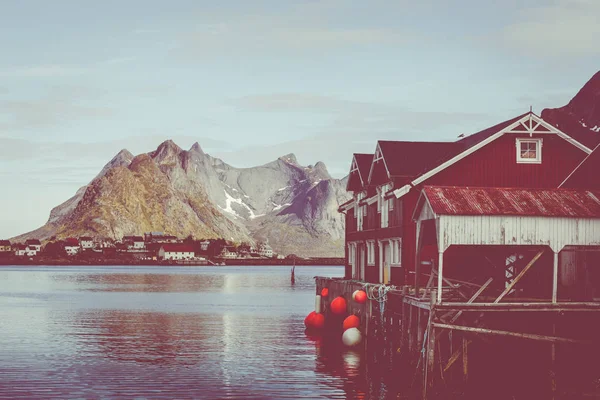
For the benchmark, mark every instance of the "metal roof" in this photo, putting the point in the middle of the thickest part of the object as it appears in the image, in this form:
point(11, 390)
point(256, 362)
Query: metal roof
point(452, 200)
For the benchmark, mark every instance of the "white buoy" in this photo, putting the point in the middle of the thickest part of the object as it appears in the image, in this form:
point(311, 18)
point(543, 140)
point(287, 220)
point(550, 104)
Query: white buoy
point(318, 304)
point(351, 337)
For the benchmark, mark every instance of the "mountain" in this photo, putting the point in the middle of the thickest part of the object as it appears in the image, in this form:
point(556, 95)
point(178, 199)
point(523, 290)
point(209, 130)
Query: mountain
point(183, 192)
point(581, 117)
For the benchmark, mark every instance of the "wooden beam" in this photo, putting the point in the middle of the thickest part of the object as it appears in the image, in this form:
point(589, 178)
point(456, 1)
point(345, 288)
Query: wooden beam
point(417, 303)
point(472, 299)
point(518, 278)
point(541, 307)
point(529, 336)
point(452, 285)
point(454, 357)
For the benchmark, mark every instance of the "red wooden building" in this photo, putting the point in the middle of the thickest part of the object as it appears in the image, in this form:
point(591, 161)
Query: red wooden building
point(523, 152)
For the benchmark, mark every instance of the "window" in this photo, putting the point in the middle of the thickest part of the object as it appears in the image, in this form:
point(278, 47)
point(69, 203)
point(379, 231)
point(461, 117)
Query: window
point(370, 253)
point(529, 151)
point(395, 248)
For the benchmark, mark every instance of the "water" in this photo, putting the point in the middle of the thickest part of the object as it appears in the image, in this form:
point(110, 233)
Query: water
point(190, 332)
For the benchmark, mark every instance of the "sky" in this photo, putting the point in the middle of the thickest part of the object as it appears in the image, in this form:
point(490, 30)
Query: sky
point(251, 81)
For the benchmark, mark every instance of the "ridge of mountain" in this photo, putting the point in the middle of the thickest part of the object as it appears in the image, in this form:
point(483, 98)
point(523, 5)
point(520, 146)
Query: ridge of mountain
point(183, 192)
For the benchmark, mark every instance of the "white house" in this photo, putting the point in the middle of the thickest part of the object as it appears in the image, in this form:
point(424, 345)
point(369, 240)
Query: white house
point(20, 250)
point(138, 243)
point(226, 253)
point(34, 244)
point(86, 242)
point(264, 250)
point(72, 250)
point(176, 251)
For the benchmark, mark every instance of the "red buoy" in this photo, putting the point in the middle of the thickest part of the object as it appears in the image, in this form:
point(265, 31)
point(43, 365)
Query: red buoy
point(360, 297)
point(351, 321)
point(308, 321)
point(318, 321)
point(338, 306)
point(324, 292)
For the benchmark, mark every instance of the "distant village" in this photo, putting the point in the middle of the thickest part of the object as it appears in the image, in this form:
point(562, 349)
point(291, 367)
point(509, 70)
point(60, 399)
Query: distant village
point(152, 247)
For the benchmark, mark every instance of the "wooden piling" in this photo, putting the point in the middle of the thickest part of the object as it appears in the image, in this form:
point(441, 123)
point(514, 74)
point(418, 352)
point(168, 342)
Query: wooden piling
point(429, 363)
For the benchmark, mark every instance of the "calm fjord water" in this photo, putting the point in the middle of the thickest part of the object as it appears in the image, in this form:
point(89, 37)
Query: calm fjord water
point(149, 332)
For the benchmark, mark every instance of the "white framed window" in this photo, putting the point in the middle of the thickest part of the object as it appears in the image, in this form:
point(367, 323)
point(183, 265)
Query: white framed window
point(396, 246)
point(384, 207)
point(529, 151)
point(391, 204)
point(360, 212)
point(370, 252)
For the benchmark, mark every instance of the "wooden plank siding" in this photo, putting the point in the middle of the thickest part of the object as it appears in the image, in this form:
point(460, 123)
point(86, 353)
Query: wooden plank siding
point(517, 230)
point(496, 165)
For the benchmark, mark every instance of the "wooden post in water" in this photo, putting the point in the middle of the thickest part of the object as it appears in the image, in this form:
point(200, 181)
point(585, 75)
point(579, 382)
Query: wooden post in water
point(420, 327)
point(429, 361)
point(411, 329)
point(404, 326)
point(465, 346)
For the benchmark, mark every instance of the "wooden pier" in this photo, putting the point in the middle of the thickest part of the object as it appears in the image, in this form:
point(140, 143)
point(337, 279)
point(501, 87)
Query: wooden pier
point(468, 344)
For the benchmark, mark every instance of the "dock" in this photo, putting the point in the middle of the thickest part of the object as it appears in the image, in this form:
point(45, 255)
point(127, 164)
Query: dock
point(470, 346)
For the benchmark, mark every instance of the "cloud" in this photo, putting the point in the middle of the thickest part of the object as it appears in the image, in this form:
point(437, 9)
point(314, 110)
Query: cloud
point(556, 29)
point(293, 28)
point(45, 112)
point(42, 71)
point(60, 70)
point(355, 116)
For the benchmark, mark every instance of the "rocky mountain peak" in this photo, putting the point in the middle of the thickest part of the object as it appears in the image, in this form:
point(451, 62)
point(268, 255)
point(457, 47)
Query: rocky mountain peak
point(289, 158)
point(122, 159)
point(166, 151)
point(581, 117)
point(320, 170)
point(586, 104)
point(196, 148)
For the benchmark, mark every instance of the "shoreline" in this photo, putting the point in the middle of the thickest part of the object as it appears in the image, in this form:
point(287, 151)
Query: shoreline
point(325, 262)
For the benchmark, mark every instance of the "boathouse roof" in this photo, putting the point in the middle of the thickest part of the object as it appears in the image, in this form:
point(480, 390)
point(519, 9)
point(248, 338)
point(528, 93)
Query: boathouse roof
point(452, 200)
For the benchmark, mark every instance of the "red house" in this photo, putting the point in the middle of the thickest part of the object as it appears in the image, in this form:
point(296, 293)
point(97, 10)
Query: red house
point(381, 235)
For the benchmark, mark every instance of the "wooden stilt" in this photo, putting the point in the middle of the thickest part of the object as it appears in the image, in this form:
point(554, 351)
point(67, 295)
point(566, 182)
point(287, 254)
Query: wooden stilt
point(465, 358)
point(429, 364)
point(555, 279)
point(440, 276)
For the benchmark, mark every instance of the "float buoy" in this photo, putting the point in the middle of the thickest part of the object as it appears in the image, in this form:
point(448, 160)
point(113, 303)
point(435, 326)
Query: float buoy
point(324, 292)
point(351, 322)
point(354, 294)
point(351, 337)
point(308, 321)
point(338, 306)
point(360, 296)
point(318, 321)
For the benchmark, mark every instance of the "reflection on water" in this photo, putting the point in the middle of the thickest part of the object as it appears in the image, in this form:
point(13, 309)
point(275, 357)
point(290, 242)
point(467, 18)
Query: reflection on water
point(198, 332)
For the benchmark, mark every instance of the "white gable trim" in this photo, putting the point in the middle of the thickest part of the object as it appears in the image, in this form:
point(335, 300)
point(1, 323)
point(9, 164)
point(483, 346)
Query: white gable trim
point(371, 200)
point(348, 206)
point(378, 156)
point(402, 191)
point(509, 129)
point(354, 168)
